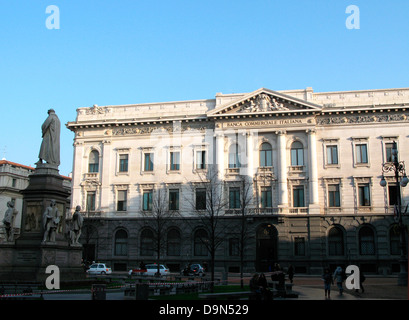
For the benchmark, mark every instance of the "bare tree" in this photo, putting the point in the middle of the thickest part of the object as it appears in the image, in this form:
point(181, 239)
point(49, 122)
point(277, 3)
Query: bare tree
point(246, 198)
point(210, 205)
point(159, 216)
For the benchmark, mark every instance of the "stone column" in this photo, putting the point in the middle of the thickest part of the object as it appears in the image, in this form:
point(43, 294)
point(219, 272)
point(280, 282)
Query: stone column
point(77, 175)
point(282, 170)
point(106, 170)
point(312, 170)
point(250, 155)
point(220, 154)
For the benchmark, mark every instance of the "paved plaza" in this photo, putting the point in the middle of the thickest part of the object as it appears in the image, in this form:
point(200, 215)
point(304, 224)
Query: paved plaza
point(307, 288)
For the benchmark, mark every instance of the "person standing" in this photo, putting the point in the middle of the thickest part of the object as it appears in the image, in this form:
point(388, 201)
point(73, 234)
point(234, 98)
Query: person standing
point(328, 281)
point(290, 273)
point(339, 277)
point(255, 287)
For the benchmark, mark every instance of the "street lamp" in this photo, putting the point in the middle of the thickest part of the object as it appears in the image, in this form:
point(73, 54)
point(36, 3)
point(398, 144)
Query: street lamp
point(398, 167)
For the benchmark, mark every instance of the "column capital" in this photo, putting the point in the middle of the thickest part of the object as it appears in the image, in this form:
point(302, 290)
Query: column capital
point(281, 132)
point(311, 131)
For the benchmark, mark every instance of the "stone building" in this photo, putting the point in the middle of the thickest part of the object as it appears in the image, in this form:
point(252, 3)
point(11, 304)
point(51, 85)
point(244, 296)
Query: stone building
point(308, 163)
point(14, 177)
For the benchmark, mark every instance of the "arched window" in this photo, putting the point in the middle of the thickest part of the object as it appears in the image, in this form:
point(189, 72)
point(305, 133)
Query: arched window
point(234, 156)
point(394, 239)
point(366, 241)
point(121, 243)
point(266, 159)
point(297, 154)
point(335, 242)
point(173, 243)
point(93, 164)
point(200, 240)
point(147, 242)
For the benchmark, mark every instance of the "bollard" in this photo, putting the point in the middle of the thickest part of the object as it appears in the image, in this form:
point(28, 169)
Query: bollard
point(98, 292)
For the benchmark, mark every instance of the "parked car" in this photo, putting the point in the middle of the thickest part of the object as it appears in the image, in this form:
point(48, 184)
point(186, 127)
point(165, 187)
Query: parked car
point(99, 268)
point(150, 270)
point(193, 269)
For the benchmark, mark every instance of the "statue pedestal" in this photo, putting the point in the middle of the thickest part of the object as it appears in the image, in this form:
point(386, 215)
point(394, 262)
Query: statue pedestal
point(27, 258)
point(29, 262)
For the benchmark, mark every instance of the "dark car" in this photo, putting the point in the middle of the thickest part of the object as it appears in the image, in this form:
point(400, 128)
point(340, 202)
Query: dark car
point(193, 269)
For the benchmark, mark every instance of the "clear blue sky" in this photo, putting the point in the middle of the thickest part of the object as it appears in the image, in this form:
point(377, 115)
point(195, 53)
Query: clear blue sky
point(131, 51)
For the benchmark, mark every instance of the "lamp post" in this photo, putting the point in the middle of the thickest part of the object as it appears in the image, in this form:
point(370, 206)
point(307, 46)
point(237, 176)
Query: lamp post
point(398, 167)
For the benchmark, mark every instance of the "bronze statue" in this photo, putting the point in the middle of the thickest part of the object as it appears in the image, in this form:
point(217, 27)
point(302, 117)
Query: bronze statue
point(50, 146)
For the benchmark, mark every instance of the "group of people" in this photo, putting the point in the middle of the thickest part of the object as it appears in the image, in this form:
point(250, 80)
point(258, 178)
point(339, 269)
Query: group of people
point(339, 276)
point(259, 285)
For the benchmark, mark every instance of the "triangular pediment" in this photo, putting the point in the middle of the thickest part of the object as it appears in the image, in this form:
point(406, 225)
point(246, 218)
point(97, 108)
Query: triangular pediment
point(264, 101)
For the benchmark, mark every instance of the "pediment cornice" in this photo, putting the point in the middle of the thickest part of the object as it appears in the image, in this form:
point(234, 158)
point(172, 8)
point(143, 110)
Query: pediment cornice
point(263, 101)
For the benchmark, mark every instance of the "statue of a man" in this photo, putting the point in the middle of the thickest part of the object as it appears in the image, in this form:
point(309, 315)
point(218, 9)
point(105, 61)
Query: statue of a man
point(76, 226)
point(50, 147)
point(8, 220)
point(51, 219)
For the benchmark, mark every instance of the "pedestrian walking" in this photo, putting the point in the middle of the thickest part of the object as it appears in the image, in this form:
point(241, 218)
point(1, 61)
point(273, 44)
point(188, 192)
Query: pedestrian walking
point(339, 277)
point(328, 281)
point(290, 273)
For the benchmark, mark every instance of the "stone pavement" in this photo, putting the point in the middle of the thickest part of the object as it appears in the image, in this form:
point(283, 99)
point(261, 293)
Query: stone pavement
point(376, 288)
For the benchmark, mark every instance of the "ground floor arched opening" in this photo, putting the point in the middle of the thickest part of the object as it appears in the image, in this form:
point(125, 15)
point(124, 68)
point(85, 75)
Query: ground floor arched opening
point(267, 248)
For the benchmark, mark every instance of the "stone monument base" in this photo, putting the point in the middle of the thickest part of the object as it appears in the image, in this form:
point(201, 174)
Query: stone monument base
point(19, 263)
point(30, 263)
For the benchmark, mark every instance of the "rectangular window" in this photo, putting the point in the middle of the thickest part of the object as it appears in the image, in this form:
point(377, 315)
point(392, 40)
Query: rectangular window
point(234, 158)
point(123, 163)
point(201, 160)
point(363, 195)
point(234, 246)
point(388, 150)
point(121, 246)
point(234, 198)
point(200, 199)
point(266, 197)
point(147, 200)
point(121, 203)
point(361, 152)
point(393, 194)
point(175, 161)
point(333, 195)
point(90, 201)
point(298, 197)
point(332, 154)
point(174, 199)
point(297, 157)
point(299, 246)
point(148, 162)
point(266, 158)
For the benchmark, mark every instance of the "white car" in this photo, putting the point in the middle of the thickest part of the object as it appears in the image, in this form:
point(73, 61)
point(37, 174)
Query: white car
point(152, 269)
point(99, 268)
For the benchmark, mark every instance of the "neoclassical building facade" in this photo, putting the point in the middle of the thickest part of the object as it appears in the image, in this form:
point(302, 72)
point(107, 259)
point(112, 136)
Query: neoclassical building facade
point(310, 164)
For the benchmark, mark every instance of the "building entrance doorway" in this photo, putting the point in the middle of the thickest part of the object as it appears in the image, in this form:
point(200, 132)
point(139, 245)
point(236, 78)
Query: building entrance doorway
point(266, 251)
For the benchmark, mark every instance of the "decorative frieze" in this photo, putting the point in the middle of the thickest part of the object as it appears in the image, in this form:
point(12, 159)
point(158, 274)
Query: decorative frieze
point(358, 119)
point(144, 129)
